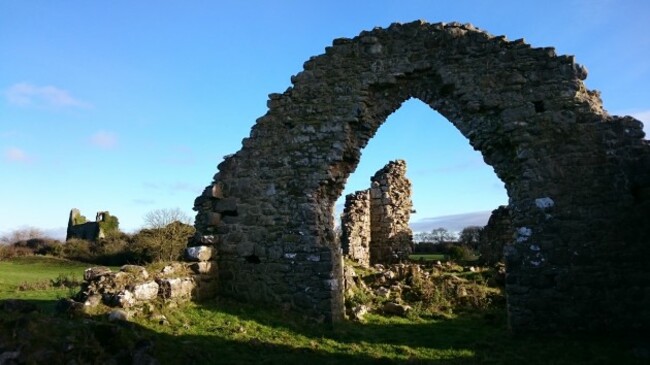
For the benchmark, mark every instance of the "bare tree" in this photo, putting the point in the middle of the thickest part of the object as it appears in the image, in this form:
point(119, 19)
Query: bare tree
point(160, 218)
point(441, 235)
point(165, 236)
point(470, 236)
point(22, 234)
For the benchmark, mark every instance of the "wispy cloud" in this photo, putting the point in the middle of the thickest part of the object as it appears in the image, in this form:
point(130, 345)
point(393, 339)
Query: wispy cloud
point(183, 186)
point(151, 185)
point(181, 155)
point(14, 154)
point(173, 188)
point(104, 139)
point(25, 95)
point(455, 222)
point(8, 134)
point(143, 201)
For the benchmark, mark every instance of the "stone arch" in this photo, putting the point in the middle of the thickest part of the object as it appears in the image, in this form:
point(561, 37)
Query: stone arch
point(572, 172)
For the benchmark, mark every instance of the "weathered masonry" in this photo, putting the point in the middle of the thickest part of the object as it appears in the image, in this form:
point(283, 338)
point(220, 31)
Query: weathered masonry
point(390, 212)
point(375, 222)
point(578, 178)
point(356, 235)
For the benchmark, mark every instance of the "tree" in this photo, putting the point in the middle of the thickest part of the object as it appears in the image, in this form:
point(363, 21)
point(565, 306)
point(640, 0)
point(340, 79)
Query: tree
point(22, 234)
point(421, 237)
point(160, 218)
point(441, 235)
point(470, 236)
point(165, 236)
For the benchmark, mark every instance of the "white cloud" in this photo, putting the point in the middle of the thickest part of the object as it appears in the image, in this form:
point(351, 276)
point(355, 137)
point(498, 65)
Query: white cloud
point(104, 139)
point(13, 154)
point(25, 94)
point(455, 222)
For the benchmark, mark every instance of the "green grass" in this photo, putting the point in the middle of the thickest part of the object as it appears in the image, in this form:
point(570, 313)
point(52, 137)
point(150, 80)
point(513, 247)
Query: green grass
point(35, 271)
point(428, 257)
point(225, 332)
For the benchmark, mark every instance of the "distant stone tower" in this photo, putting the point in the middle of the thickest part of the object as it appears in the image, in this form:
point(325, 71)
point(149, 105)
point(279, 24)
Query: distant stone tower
point(79, 228)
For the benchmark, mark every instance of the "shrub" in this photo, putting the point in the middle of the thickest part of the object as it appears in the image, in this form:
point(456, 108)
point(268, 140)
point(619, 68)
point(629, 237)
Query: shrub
point(66, 281)
point(115, 250)
point(77, 249)
point(162, 244)
point(460, 253)
point(10, 251)
point(110, 225)
point(41, 246)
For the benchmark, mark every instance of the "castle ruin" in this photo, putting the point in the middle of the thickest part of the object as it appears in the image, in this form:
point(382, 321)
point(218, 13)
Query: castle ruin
point(79, 228)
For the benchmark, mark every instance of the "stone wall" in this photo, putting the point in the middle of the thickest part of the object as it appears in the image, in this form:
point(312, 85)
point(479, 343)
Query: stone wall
point(355, 227)
point(390, 211)
point(578, 179)
point(498, 233)
point(133, 287)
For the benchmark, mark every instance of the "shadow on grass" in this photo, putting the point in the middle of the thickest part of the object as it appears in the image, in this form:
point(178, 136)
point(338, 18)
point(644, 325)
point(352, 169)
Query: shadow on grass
point(230, 333)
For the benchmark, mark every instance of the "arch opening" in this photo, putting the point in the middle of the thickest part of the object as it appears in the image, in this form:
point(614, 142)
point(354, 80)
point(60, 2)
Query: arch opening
point(430, 179)
point(449, 177)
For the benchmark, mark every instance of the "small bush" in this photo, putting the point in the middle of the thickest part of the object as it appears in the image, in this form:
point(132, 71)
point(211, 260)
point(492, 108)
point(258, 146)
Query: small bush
point(11, 251)
point(35, 285)
point(66, 281)
point(460, 253)
point(77, 249)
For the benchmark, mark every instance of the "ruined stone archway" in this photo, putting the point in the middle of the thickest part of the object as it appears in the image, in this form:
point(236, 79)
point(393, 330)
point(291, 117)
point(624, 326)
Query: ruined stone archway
point(571, 171)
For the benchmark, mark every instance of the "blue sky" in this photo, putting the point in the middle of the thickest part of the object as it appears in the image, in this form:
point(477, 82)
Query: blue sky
point(128, 106)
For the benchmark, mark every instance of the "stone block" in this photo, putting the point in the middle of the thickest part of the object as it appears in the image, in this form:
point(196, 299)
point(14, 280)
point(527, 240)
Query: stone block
point(94, 273)
point(198, 253)
point(226, 205)
point(204, 267)
point(123, 299)
point(396, 309)
point(138, 272)
point(214, 218)
point(176, 288)
point(146, 291)
point(216, 191)
point(208, 239)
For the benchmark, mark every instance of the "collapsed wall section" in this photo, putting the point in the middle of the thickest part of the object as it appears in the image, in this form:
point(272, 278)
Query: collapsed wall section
point(390, 212)
point(355, 227)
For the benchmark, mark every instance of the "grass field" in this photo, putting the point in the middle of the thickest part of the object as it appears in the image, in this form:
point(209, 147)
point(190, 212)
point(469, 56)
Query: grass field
point(225, 332)
point(428, 257)
point(35, 273)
